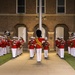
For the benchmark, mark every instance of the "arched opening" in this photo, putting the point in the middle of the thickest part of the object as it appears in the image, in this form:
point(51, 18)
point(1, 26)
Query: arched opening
point(22, 32)
point(43, 32)
point(59, 32)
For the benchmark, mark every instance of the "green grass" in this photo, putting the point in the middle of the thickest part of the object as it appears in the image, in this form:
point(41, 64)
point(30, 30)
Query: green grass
point(5, 58)
point(70, 59)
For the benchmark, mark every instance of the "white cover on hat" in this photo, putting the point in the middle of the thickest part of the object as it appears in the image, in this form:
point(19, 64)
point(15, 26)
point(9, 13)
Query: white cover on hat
point(0, 36)
point(15, 37)
point(32, 37)
point(45, 38)
point(62, 37)
point(74, 33)
point(3, 37)
point(74, 36)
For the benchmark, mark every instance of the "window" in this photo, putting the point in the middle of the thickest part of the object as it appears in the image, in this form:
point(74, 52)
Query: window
point(61, 6)
point(20, 6)
point(43, 6)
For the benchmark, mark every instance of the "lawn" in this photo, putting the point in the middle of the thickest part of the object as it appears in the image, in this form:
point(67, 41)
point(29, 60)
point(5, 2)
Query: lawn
point(5, 58)
point(70, 59)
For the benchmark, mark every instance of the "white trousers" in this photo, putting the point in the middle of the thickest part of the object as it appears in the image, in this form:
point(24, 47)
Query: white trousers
point(61, 52)
point(34, 50)
point(21, 50)
point(14, 52)
point(18, 51)
point(69, 51)
point(31, 52)
point(45, 53)
point(8, 49)
point(4, 50)
point(72, 51)
point(39, 54)
point(1, 53)
point(56, 50)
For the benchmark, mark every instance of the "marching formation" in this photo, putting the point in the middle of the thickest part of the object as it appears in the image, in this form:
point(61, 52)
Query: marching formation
point(71, 46)
point(60, 44)
point(36, 45)
point(4, 45)
point(13, 45)
point(17, 46)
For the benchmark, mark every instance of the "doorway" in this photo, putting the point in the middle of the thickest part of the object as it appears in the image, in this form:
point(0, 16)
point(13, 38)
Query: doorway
point(22, 32)
point(59, 32)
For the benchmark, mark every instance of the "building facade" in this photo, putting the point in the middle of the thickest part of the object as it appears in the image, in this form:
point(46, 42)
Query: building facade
point(20, 17)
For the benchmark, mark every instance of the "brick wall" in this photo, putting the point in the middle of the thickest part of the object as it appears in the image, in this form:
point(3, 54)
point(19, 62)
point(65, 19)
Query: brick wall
point(50, 6)
point(31, 6)
point(7, 6)
point(70, 6)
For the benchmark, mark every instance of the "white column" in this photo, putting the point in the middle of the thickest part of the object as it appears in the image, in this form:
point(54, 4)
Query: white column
point(40, 15)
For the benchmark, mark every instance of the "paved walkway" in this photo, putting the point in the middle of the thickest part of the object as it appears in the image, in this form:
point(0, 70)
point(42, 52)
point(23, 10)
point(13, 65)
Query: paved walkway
point(24, 66)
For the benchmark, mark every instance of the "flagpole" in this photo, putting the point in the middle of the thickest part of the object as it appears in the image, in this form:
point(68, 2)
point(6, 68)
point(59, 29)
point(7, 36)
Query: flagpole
point(40, 15)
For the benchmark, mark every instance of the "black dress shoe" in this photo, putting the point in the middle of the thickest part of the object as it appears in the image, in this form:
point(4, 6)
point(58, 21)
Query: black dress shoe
point(38, 61)
point(31, 57)
point(46, 57)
